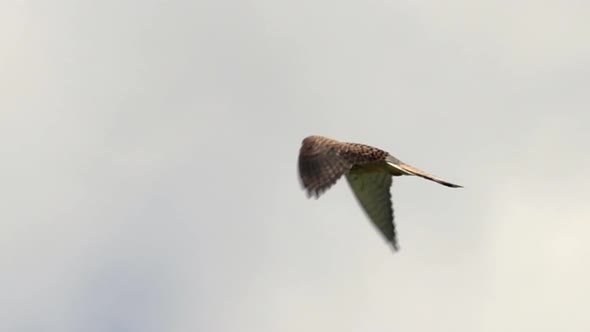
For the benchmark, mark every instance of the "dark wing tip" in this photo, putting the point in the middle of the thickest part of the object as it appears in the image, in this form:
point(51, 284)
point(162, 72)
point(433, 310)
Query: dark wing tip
point(394, 247)
point(320, 164)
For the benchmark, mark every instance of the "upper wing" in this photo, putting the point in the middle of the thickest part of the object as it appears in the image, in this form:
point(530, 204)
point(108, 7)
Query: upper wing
point(372, 190)
point(320, 165)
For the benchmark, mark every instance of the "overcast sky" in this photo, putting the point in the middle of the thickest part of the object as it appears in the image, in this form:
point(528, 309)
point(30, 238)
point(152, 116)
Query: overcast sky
point(149, 177)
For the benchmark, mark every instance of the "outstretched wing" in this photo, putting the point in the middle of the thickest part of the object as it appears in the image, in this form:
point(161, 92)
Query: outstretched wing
point(372, 190)
point(321, 164)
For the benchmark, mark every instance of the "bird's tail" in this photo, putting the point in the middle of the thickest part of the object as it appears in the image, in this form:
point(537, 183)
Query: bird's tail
point(414, 171)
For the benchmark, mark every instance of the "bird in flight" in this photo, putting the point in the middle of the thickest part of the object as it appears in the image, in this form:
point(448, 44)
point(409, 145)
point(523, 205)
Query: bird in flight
point(369, 171)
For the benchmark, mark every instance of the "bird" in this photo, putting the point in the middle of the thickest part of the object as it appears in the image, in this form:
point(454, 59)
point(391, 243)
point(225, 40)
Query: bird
point(368, 170)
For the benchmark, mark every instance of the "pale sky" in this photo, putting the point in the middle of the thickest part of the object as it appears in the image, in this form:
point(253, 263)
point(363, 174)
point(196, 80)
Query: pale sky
point(149, 173)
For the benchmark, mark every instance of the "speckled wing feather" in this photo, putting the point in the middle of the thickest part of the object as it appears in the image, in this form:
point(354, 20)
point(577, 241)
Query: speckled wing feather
point(321, 164)
point(372, 190)
point(322, 161)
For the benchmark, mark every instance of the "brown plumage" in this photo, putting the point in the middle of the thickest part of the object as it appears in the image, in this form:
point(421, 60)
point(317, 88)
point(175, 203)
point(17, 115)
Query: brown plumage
point(369, 171)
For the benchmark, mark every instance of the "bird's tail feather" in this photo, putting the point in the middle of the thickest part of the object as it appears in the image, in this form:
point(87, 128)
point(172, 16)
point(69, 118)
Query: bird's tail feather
point(414, 171)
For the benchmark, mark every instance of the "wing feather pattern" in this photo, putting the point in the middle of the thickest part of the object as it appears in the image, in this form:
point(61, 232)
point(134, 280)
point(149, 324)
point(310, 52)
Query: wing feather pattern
point(372, 190)
point(320, 165)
